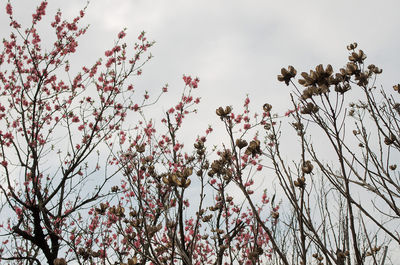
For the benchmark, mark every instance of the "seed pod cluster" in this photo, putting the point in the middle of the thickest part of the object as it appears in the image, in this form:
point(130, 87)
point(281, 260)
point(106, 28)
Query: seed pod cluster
point(119, 211)
point(373, 251)
point(307, 167)
point(390, 140)
point(223, 112)
point(179, 178)
point(241, 143)
point(309, 108)
point(60, 261)
point(300, 182)
point(199, 145)
point(221, 167)
point(102, 209)
point(255, 253)
point(254, 148)
point(287, 74)
point(267, 107)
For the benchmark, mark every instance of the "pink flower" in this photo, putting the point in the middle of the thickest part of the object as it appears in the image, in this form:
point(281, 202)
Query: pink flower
point(9, 9)
point(121, 34)
point(108, 53)
point(18, 211)
point(176, 147)
point(246, 102)
point(187, 79)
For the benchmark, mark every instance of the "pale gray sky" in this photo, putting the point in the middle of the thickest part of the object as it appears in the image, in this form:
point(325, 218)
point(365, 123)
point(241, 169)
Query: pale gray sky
point(234, 47)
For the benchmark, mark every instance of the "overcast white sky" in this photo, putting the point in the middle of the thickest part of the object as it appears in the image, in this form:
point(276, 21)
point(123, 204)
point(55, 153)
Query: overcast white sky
point(236, 47)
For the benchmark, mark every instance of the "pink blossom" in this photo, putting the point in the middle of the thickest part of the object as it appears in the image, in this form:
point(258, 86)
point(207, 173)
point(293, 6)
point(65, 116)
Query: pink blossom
point(18, 211)
point(108, 53)
point(176, 147)
point(121, 34)
point(246, 102)
point(9, 9)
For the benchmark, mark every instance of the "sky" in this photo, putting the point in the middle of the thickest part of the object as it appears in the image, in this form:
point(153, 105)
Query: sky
point(236, 48)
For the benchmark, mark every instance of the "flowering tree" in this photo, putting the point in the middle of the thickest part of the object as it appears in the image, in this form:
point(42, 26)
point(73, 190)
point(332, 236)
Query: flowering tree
point(81, 185)
point(157, 222)
point(55, 127)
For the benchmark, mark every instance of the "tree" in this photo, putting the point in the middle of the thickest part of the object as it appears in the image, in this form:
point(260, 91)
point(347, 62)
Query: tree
point(347, 212)
point(54, 125)
point(65, 141)
point(88, 178)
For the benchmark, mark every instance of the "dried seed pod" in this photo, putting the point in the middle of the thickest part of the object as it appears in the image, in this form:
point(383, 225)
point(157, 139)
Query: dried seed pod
point(95, 254)
point(187, 172)
point(166, 180)
point(275, 215)
point(132, 261)
point(187, 183)
point(223, 112)
point(175, 179)
point(397, 88)
point(352, 46)
point(241, 143)
point(300, 182)
point(267, 107)
point(351, 68)
point(307, 167)
point(310, 108)
point(287, 75)
point(390, 140)
point(254, 148)
point(199, 145)
point(357, 57)
point(60, 261)
point(140, 148)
